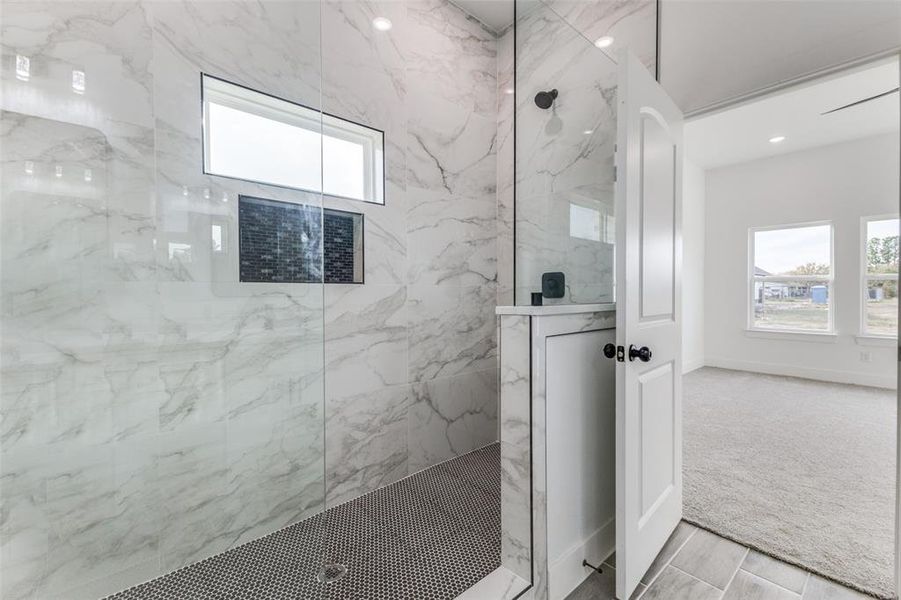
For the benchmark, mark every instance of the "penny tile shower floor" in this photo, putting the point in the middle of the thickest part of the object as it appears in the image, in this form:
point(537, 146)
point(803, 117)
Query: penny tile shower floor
point(430, 535)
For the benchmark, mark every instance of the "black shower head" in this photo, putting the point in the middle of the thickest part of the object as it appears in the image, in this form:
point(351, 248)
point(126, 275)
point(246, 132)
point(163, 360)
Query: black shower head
point(545, 99)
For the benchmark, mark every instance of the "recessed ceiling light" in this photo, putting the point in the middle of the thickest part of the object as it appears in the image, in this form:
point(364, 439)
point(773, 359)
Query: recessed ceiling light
point(588, 131)
point(604, 42)
point(382, 24)
point(777, 139)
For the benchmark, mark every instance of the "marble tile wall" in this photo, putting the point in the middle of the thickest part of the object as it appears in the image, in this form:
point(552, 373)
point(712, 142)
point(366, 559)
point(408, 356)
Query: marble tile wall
point(564, 156)
point(154, 410)
point(515, 437)
point(411, 367)
point(506, 107)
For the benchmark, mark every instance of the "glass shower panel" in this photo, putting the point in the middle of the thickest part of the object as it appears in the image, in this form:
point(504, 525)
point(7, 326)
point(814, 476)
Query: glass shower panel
point(564, 167)
point(156, 409)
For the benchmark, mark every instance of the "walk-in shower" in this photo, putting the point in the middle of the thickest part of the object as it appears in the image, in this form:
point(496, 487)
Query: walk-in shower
point(251, 256)
point(248, 291)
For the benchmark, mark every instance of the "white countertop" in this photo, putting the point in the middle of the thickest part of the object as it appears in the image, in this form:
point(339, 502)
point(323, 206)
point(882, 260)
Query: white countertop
point(555, 309)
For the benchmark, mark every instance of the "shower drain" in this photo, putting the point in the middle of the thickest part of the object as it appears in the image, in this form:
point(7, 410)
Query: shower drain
point(332, 572)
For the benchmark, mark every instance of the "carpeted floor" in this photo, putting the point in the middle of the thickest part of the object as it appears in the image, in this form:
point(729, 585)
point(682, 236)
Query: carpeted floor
point(798, 469)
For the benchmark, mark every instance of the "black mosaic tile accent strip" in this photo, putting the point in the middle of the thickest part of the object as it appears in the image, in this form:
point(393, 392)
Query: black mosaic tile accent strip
point(338, 246)
point(430, 536)
point(284, 242)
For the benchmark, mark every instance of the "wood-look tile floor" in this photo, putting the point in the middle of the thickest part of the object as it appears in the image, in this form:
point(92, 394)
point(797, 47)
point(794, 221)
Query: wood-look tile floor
point(698, 565)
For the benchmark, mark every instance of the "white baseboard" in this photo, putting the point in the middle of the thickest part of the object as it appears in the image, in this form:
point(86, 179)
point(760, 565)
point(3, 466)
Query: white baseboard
point(881, 381)
point(692, 364)
point(567, 572)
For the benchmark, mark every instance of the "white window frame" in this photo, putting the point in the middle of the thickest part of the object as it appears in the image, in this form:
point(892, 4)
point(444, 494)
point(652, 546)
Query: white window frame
point(265, 105)
point(866, 278)
point(829, 279)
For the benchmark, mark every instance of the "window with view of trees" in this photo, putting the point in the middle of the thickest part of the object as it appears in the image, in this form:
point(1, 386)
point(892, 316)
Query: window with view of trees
point(880, 277)
point(791, 278)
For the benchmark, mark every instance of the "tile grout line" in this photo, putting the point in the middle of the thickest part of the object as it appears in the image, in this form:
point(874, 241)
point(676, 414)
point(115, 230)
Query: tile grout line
point(696, 578)
point(667, 563)
point(804, 587)
point(734, 574)
point(782, 587)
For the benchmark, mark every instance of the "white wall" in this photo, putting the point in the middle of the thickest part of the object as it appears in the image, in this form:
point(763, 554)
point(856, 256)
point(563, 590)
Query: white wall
point(841, 183)
point(693, 242)
point(712, 51)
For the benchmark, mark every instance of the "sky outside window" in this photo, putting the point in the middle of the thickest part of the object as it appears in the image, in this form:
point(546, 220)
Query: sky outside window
point(780, 251)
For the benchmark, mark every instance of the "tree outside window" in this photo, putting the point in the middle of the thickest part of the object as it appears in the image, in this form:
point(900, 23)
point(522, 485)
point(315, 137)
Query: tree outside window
point(880, 278)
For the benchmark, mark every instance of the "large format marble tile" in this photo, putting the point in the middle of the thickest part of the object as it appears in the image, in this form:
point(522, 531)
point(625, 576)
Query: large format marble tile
point(564, 159)
point(72, 514)
point(366, 442)
point(570, 146)
point(80, 388)
point(366, 338)
point(451, 416)
point(505, 162)
point(270, 46)
point(110, 43)
point(449, 147)
point(515, 434)
point(192, 483)
point(452, 330)
point(276, 471)
point(451, 101)
point(451, 55)
point(631, 24)
point(452, 240)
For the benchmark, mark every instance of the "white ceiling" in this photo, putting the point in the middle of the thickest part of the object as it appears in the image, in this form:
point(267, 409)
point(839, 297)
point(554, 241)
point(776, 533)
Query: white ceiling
point(496, 14)
point(742, 134)
point(714, 50)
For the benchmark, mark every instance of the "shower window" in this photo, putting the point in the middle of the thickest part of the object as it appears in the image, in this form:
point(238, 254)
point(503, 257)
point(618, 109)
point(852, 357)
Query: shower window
point(256, 137)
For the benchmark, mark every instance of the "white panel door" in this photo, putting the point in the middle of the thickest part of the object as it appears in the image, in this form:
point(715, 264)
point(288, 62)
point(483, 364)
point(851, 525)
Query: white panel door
point(648, 380)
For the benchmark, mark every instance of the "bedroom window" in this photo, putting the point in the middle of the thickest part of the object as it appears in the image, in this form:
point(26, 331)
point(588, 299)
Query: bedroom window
point(879, 268)
point(791, 278)
point(256, 137)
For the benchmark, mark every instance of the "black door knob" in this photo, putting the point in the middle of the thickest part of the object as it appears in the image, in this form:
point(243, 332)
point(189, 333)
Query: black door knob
point(643, 354)
point(610, 350)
